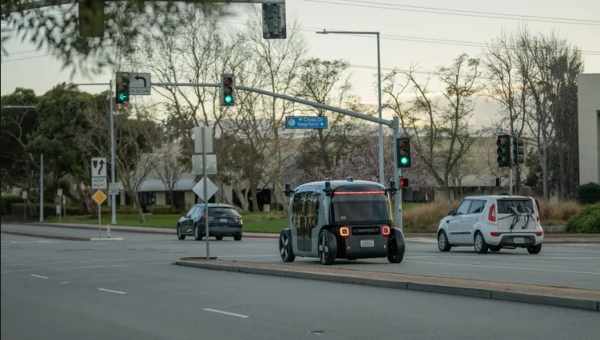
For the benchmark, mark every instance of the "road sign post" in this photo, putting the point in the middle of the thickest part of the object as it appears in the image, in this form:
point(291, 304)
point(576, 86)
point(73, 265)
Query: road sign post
point(99, 197)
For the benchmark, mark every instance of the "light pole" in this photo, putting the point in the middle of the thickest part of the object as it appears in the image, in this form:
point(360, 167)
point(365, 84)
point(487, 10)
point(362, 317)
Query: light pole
point(380, 142)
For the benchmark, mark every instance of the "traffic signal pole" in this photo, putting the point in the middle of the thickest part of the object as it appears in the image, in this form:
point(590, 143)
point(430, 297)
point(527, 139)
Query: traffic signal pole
point(393, 124)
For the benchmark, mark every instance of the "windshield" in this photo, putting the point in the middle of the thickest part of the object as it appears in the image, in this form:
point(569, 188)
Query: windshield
point(360, 208)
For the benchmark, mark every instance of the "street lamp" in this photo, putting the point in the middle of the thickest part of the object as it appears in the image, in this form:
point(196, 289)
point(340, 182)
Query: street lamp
point(380, 146)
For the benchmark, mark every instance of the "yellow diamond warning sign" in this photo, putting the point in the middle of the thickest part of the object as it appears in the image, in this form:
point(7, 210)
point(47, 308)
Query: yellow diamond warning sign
point(99, 197)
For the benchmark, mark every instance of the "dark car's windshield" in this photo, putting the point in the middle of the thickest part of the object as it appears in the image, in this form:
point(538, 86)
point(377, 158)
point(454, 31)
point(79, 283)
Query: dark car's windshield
point(360, 208)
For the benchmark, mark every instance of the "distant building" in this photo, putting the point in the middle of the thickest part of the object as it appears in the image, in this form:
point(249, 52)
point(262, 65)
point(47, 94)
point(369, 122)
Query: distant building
point(588, 103)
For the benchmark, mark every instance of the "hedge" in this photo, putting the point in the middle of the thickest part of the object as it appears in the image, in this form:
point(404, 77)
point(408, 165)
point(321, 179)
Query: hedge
point(588, 221)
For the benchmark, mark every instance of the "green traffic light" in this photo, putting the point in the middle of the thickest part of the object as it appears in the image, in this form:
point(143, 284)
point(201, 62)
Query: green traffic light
point(122, 97)
point(404, 160)
point(228, 99)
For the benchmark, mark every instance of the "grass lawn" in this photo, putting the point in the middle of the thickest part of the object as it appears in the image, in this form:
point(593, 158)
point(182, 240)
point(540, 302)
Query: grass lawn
point(253, 222)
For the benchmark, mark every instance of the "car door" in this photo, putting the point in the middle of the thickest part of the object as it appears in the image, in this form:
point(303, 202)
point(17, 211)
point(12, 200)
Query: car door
point(456, 225)
point(470, 219)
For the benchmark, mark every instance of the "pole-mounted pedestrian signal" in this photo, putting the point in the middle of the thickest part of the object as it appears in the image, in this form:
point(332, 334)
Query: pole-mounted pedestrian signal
point(503, 151)
point(403, 182)
point(227, 93)
point(403, 152)
point(122, 88)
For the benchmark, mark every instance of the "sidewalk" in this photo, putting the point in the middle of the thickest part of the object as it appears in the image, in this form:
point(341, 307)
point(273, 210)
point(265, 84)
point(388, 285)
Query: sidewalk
point(416, 237)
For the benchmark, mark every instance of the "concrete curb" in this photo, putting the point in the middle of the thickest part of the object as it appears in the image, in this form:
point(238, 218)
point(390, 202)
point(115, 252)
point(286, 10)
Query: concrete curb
point(57, 237)
point(421, 283)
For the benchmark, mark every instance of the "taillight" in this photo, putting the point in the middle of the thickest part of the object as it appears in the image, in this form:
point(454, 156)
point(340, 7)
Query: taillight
point(345, 231)
point(492, 213)
point(385, 230)
point(540, 232)
point(494, 233)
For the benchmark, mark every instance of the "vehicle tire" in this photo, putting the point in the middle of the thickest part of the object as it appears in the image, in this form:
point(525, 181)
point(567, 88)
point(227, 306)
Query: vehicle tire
point(495, 248)
point(327, 247)
point(286, 250)
point(197, 234)
point(480, 246)
point(443, 244)
point(219, 237)
point(237, 237)
point(180, 236)
point(533, 250)
point(395, 249)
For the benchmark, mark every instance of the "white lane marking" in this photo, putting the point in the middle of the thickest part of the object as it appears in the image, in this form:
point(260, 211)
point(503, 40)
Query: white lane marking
point(507, 267)
point(39, 276)
point(112, 291)
point(65, 282)
point(225, 313)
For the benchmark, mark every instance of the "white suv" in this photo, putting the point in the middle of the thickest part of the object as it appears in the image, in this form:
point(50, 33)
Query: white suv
point(492, 222)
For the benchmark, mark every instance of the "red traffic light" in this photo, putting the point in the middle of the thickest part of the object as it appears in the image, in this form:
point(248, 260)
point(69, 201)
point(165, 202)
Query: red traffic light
point(403, 182)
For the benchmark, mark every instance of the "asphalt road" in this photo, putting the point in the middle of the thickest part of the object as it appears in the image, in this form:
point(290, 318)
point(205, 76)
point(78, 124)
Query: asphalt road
point(570, 265)
point(55, 289)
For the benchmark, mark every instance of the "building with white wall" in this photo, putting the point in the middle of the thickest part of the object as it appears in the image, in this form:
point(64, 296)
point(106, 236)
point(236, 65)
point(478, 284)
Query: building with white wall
point(588, 103)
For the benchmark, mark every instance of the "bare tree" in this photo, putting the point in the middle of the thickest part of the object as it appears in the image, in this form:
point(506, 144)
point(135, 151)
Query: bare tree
point(168, 168)
point(438, 127)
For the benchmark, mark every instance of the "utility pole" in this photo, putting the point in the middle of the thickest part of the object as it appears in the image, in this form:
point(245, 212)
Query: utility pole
point(41, 187)
point(381, 169)
point(113, 196)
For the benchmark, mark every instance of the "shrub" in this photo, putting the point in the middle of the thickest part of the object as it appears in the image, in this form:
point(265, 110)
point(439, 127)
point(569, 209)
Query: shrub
point(588, 193)
point(425, 217)
point(163, 209)
point(558, 212)
point(587, 221)
point(6, 203)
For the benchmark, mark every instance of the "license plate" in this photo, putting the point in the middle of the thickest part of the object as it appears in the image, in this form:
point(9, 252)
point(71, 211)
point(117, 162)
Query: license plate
point(223, 220)
point(519, 240)
point(367, 243)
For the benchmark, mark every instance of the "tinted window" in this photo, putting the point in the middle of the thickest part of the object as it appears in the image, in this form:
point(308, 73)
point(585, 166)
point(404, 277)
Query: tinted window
point(360, 208)
point(476, 207)
point(463, 208)
point(223, 212)
point(522, 206)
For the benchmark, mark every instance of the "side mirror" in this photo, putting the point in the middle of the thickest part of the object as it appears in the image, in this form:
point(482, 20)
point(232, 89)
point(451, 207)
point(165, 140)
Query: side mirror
point(452, 212)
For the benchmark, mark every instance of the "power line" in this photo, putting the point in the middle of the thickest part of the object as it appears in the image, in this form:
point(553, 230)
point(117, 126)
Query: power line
point(5, 61)
point(458, 12)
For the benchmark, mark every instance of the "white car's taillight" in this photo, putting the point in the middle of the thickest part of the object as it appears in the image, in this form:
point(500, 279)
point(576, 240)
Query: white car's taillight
point(492, 213)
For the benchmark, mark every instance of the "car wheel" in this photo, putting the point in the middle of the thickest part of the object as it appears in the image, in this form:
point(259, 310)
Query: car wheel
point(327, 247)
point(197, 234)
point(180, 236)
point(219, 237)
point(395, 250)
point(534, 249)
point(443, 244)
point(495, 248)
point(285, 246)
point(480, 246)
point(237, 237)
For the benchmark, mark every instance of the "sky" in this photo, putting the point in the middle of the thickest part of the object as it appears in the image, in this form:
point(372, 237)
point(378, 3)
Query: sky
point(400, 24)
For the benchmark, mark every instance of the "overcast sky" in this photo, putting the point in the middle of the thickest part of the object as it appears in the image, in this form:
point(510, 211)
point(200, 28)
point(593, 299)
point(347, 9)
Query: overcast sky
point(399, 25)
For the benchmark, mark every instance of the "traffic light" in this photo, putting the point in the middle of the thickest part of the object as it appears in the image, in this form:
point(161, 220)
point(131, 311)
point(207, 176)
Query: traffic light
point(227, 94)
point(122, 88)
point(503, 151)
point(91, 18)
point(519, 151)
point(403, 152)
point(403, 182)
point(273, 18)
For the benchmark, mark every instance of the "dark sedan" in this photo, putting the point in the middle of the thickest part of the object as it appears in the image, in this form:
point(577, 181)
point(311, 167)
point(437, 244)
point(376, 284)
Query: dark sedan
point(223, 220)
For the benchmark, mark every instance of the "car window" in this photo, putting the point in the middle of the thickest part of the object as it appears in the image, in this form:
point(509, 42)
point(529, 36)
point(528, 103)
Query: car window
point(190, 213)
point(476, 206)
point(524, 205)
point(463, 208)
point(223, 212)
